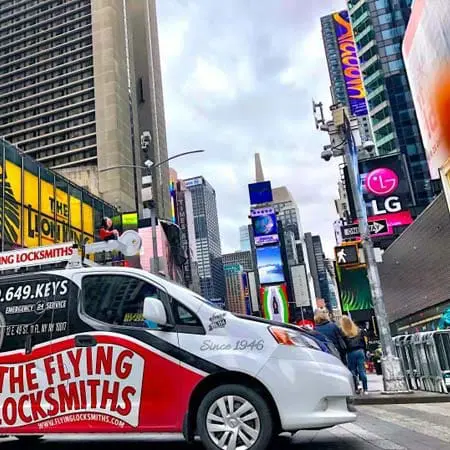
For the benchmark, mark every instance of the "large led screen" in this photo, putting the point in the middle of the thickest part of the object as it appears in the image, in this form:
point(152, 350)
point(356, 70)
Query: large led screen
point(350, 64)
point(270, 265)
point(275, 303)
point(386, 190)
point(260, 192)
point(265, 229)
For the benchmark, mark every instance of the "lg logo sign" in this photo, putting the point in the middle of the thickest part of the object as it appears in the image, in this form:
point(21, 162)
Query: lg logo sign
point(382, 182)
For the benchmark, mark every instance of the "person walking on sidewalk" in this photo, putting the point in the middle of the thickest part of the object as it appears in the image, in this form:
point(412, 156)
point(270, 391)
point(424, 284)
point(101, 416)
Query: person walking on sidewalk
point(330, 330)
point(356, 351)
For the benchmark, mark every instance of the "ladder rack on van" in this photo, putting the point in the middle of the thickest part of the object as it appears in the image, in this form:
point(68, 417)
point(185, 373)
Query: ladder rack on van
point(129, 243)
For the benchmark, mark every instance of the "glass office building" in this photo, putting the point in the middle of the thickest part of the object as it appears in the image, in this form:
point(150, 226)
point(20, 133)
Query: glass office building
point(379, 27)
point(207, 237)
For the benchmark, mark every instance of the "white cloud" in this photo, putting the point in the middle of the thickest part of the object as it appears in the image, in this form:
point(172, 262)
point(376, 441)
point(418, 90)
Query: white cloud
point(239, 79)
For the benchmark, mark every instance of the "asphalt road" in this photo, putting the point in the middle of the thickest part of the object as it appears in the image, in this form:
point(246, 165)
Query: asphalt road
point(389, 427)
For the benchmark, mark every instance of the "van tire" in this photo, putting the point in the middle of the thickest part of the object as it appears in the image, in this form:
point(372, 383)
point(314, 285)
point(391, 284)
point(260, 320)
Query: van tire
point(261, 427)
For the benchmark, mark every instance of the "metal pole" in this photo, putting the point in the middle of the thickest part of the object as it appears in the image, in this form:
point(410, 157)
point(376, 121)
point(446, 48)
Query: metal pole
point(155, 265)
point(393, 377)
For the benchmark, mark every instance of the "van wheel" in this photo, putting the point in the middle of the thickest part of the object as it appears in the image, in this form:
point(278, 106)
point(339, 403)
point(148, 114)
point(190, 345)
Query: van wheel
point(234, 416)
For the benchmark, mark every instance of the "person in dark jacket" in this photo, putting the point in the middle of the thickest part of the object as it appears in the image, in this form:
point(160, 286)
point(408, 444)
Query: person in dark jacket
point(356, 351)
point(330, 330)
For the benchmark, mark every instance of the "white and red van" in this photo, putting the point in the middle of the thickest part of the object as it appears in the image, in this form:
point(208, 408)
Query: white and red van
point(119, 350)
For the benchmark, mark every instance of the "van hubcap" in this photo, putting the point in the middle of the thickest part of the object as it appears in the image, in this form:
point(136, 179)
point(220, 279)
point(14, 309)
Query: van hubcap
point(233, 423)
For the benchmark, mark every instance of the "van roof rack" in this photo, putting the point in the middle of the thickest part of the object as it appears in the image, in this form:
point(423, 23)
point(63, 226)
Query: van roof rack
point(129, 244)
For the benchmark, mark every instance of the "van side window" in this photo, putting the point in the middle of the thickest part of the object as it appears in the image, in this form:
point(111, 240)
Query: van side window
point(117, 299)
point(186, 321)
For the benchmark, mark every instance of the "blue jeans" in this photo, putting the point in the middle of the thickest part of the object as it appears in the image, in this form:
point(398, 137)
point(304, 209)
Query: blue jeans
point(356, 360)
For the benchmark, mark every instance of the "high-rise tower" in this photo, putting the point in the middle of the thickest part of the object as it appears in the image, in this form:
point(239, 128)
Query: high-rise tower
point(207, 237)
point(379, 28)
point(69, 94)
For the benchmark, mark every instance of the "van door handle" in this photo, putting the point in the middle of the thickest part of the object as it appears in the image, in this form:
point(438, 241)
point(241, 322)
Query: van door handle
point(85, 341)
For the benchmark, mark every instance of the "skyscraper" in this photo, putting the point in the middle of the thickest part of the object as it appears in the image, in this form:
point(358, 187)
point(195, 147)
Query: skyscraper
point(244, 238)
point(288, 213)
point(317, 264)
point(379, 27)
point(340, 90)
point(68, 90)
point(244, 259)
point(234, 288)
point(207, 236)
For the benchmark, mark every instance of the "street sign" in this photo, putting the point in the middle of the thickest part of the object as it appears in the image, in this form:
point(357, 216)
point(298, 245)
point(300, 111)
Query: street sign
point(376, 227)
point(347, 255)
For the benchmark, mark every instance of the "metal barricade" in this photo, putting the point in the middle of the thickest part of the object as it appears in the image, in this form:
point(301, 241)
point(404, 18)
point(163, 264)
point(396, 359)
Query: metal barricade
point(425, 359)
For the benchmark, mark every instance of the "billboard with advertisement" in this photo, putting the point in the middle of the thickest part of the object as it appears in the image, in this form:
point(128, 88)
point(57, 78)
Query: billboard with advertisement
point(300, 285)
point(246, 290)
point(270, 264)
point(354, 289)
point(42, 208)
point(386, 190)
point(274, 301)
point(260, 192)
point(264, 223)
point(173, 200)
point(350, 64)
point(425, 47)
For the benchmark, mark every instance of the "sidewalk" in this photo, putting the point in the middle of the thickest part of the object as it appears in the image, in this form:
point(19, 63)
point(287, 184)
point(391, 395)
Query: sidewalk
point(377, 397)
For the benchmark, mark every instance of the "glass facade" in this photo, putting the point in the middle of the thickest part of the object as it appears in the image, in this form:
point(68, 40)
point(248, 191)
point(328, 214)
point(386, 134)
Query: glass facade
point(40, 207)
point(338, 91)
point(207, 236)
point(379, 27)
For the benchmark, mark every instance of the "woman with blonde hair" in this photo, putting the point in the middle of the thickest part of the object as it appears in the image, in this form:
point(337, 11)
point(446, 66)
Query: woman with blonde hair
point(356, 351)
point(330, 330)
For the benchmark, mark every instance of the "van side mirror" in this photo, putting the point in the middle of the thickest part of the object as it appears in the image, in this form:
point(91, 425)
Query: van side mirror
point(154, 311)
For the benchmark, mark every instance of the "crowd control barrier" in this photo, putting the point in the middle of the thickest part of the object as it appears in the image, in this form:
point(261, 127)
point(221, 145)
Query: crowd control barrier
point(425, 358)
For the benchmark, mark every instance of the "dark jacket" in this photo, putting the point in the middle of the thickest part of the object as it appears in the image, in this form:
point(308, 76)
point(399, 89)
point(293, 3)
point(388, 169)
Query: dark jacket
point(333, 333)
point(356, 343)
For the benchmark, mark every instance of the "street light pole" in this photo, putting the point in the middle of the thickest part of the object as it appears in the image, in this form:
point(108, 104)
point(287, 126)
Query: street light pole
point(393, 377)
point(155, 265)
point(151, 168)
point(341, 125)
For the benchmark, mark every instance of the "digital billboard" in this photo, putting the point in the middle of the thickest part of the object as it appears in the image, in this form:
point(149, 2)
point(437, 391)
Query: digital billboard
point(173, 201)
point(426, 46)
point(43, 209)
point(270, 265)
point(274, 301)
point(264, 223)
point(350, 64)
point(354, 289)
point(386, 191)
point(260, 192)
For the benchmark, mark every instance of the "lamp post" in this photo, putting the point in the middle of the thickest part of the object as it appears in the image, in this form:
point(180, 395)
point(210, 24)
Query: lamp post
point(151, 168)
point(347, 130)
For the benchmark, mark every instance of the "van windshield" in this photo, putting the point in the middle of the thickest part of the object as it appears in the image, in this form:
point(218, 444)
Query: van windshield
point(186, 291)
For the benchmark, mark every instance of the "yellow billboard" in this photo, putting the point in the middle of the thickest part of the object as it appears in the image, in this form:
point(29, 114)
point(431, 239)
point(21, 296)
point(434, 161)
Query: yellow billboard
point(38, 213)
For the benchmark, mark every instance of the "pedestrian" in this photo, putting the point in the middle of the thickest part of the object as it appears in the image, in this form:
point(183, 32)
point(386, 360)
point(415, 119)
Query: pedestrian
point(330, 330)
point(356, 351)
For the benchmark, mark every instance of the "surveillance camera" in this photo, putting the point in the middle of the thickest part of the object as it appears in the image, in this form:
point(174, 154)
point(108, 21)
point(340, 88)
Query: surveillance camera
point(326, 154)
point(146, 139)
point(369, 146)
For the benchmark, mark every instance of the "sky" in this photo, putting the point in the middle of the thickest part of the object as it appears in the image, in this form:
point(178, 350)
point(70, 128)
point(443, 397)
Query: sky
point(239, 77)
